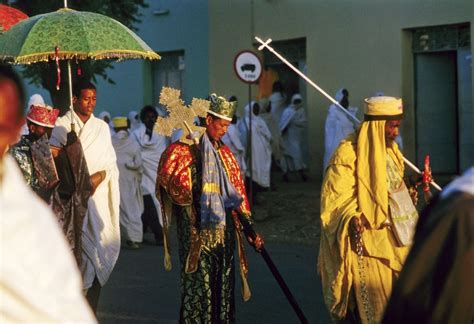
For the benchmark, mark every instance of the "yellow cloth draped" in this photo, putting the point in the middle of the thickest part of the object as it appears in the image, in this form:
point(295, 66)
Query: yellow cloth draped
point(356, 182)
point(371, 167)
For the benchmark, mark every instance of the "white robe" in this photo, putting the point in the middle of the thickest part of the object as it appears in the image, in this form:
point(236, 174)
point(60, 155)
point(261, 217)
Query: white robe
point(39, 279)
point(232, 140)
point(261, 147)
point(110, 123)
point(101, 230)
point(337, 127)
point(275, 131)
point(151, 150)
point(292, 123)
point(278, 102)
point(130, 165)
point(134, 119)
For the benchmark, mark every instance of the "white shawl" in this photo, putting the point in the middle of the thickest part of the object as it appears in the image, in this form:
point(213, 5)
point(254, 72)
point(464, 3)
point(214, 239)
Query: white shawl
point(337, 127)
point(232, 140)
point(261, 146)
point(292, 123)
point(151, 150)
point(101, 230)
point(130, 165)
point(134, 119)
point(39, 279)
point(278, 101)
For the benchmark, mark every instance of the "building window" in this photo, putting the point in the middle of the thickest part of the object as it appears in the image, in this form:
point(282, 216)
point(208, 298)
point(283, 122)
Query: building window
point(441, 38)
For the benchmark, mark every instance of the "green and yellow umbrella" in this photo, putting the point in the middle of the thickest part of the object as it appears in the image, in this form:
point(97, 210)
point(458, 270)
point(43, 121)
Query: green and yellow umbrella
point(68, 34)
point(77, 34)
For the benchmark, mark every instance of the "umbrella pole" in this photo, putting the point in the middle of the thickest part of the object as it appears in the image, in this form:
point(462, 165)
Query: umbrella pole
point(69, 79)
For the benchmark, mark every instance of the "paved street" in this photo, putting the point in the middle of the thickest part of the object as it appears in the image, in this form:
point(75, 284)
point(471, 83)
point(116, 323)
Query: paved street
point(141, 291)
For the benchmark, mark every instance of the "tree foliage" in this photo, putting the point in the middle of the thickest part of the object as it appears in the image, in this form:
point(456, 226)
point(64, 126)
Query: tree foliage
point(44, 74)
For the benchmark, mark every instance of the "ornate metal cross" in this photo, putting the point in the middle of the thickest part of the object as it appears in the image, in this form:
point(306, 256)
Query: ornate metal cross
point(180, 115)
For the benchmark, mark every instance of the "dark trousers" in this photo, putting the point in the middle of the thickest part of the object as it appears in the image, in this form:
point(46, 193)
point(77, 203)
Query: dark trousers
point(93, 294)
point(150, 218)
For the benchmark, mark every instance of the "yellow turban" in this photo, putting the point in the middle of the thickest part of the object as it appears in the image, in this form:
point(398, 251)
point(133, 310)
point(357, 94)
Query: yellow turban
point(383, 108)
point(120, 122)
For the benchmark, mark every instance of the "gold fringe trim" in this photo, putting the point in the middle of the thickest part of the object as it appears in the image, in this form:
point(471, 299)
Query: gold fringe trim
point(245, 289)
point(211, 187)
point(67, 55)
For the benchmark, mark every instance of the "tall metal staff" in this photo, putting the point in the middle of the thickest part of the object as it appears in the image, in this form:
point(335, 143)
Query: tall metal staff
point(314, 85)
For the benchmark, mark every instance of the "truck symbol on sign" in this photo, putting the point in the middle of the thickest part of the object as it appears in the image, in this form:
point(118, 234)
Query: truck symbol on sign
point(248, 67)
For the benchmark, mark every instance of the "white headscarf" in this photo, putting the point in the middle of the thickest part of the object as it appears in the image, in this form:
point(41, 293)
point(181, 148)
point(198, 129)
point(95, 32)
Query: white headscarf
point(36, 100)
point(104, 114)
point(110, 123)
point(134, 119)
point(339, 95)
point(295, 97)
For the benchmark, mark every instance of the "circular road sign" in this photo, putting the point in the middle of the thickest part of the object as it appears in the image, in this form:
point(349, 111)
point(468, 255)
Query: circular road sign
point(248, 67)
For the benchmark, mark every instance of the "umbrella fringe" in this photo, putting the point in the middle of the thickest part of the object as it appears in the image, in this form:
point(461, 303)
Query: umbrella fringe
point(99, 55)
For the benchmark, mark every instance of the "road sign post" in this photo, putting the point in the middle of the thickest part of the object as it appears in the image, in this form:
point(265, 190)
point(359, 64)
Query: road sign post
point(248, 68)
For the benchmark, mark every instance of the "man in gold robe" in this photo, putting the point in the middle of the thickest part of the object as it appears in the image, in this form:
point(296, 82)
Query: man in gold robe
point(367, 217)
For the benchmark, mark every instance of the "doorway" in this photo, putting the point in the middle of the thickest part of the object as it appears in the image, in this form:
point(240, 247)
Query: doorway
point(443, 105)
point(436, 110)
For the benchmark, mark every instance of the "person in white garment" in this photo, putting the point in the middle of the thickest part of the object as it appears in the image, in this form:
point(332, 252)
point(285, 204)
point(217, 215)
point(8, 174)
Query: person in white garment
point(39, 279)
point(232, 140)
point(134, 119)
point(338, 124)
point(152, 146)
point(105, 116)
point(101, 228)
point(266, 115)
point(130, 165)
point(277, 100)
point(261, 148)
point(35, 100)
point(292, 124)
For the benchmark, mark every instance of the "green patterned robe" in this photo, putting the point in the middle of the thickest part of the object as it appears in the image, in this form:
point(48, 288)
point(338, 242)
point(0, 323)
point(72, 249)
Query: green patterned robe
point(207, 295)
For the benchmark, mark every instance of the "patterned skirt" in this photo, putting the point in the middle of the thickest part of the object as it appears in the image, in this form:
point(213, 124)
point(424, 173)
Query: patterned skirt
point(207, 295)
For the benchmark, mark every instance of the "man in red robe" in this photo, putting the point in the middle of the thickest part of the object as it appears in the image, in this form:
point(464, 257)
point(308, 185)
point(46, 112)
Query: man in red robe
point(202, 186)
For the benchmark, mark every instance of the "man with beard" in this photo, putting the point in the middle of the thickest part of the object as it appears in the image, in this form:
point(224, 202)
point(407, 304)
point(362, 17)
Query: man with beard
point(367, 217)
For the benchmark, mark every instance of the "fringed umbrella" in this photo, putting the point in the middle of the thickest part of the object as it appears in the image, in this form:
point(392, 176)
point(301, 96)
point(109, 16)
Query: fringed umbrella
point(10, 16)
point(71, 35)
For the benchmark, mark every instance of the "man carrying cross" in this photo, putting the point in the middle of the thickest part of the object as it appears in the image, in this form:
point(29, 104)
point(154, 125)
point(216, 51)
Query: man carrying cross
point(367, 217)
point(203, 186)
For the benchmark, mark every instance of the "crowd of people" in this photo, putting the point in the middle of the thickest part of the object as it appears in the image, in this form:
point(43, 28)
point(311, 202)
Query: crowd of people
point(93, 182)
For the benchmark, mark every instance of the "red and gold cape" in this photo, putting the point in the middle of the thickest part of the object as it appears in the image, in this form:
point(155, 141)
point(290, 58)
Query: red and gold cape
point(174, 186)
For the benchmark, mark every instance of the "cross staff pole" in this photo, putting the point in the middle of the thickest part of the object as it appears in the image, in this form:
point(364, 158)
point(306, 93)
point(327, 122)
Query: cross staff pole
point(180, 114)
point(250, 232)
point(324, 93)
